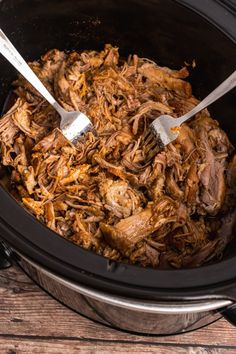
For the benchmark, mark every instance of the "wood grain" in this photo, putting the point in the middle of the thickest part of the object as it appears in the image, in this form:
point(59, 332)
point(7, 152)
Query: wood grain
point(33, 322)
point(67, 346)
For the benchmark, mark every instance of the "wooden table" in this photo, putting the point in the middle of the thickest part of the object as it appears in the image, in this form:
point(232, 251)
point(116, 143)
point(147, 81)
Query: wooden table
point(32, 322)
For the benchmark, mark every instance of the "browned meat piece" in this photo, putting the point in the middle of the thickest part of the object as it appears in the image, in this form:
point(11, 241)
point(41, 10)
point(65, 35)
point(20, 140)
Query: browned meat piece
point(219, 141)
point(128, 232)
point(55, 140)
point(83, 234)
point(186, 139)
point(79, 173)
point(119, 198)
point(36, 207)
point(124, 235)
point(8, 128)
point(172, 187)
point(28, 177)
point(165, 78)
point(109, 194)
point(212, 178)
point(112, 56)
point(46, 71)
point(191, 185)
point(50, 216)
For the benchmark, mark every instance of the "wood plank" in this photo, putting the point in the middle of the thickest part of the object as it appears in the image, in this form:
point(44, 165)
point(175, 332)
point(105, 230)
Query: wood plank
point(25, 310)
point(27, 346)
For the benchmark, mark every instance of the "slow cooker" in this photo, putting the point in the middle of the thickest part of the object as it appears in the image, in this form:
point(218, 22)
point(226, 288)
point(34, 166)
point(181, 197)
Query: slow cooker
point(127, 297)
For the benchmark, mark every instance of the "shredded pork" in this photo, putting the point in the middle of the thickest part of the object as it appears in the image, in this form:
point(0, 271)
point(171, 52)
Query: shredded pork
point(108, 194)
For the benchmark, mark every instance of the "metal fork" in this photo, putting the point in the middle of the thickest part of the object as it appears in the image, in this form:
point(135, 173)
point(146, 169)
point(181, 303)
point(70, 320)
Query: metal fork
point(165, 129)
point(73, 124)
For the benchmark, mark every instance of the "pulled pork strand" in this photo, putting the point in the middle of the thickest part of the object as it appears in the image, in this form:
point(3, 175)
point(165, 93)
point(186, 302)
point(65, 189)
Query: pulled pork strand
point(107, 194)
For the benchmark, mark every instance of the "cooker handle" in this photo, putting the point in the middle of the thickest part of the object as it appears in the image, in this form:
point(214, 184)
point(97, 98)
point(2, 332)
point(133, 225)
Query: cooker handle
point(5, 256)
point(229, 314)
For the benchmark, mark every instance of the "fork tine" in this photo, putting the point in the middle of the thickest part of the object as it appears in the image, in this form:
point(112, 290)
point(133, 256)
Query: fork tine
point(149, 138)
point(146, 135)
point(152, 143)
point(156, 148)
point(153, 153)
point(152, 146)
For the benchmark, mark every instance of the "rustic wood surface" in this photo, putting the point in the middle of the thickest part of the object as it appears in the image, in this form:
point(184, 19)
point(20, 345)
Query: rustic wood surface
point(32, 322)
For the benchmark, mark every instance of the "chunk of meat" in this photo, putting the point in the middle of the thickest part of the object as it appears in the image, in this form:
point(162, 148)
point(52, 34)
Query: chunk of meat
point(8, 128)
point(79, 173)
point(50, 215)
point(29, 179)
point(157, 75)
point(55, 140)
point(191, 186)
point(120, 198)
point(35, 206)
point(127, 232)
point(212, 179)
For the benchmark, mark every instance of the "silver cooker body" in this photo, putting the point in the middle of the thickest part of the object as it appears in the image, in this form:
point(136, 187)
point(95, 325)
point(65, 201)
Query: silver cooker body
point(131, 315)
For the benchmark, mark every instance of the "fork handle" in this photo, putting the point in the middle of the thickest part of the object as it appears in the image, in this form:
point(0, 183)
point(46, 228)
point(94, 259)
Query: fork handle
point(221, 90)
point(13, 56)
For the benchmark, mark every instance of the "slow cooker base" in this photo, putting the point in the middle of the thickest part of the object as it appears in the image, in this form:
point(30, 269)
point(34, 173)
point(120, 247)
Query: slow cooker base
point(116, 317)
point(170, 34)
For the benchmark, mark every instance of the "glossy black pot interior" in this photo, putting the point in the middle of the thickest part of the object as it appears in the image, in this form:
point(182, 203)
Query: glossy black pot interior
point(162, 30)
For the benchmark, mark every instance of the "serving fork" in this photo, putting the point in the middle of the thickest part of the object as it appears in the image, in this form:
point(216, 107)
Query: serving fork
point(165, 129)
point(73, 124)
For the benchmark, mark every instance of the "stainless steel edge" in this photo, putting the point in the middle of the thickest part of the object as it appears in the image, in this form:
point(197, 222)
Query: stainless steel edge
point(136, 304)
